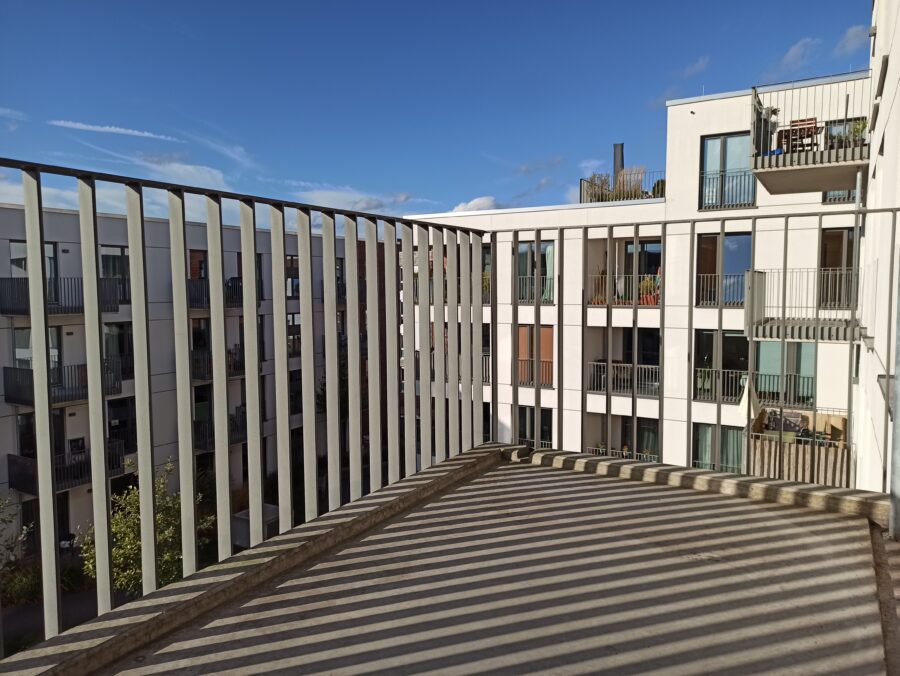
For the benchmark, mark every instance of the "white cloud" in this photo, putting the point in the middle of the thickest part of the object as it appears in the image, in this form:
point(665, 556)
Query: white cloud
point(348, 197)
point(590, 166)
point(797, 56)
point(236, 153)
point(478, 204)
point(573, 194)
point(854, 39)
point(11, 114)
point(111, 129)
point(696, 67)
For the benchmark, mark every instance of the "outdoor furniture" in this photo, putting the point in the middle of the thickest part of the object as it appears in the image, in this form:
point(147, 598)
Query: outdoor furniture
point(800, 135)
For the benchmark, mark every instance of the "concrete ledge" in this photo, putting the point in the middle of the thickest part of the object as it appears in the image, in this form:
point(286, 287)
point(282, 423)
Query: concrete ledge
point(105, 640)
point(874, 506)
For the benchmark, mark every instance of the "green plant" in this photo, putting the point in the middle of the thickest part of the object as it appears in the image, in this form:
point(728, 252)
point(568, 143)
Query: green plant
point(858, 130)
point(125, 528)
point(20, 583)
point(485, 281)
point(647, 286)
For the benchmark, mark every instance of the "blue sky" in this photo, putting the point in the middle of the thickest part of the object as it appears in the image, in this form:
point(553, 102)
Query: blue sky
point(394, 107)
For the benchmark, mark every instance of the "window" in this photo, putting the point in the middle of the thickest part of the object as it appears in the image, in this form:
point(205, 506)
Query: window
point(292, 276)
point(526, 356)
point(527, 264)
point(199, 267)
point(702, 446)
point(18, 260)
point(725, 281)
point(119, 346)
point(293, 334)
point(121, 420)
point(529, 434)
point(726, 180)
point(114, 265)
point(22, 341)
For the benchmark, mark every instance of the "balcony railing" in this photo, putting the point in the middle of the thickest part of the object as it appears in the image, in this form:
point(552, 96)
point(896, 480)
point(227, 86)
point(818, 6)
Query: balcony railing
point(531, 444)
point(204, 436)
point(597, 377)
point(725, 386)
point(486, 368)
point(234, 360)
point(65, 295)
point(711, 287)
point(68, 383)
point(70, 469)
point(799, 390)
point(732, 189)
point(796, 458)
point(803, 293)
point(620, 378)
point(811, 123)
point(525, 291)
point(623, 292)
point(233, 288)
point(646, 381)
point(641, 456)
point(526, 372)
point(630, 184)
point(201, 364)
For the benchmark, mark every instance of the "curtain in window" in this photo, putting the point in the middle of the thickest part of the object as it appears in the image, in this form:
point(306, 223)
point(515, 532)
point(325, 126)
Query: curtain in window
point(703, 446)
point(732, 449)
point(547, 285)
point(648, 437)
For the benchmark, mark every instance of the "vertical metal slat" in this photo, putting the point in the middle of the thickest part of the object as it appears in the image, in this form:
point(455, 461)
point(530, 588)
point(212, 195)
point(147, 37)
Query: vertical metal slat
point(477, 351)
point(424, 305)
point(409, 351)
point(453, 344)
point(307, 365)
point(354, 424)
point(465, 283)
point(373, 352)
point(282, 396)
point(332, 392)
point(440, 373)
point(391, 351)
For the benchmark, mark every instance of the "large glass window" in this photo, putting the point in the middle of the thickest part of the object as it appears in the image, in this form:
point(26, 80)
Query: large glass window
point(119, 345)
point(702, 451)
point(114, 265)
point(292, 276)
point(726, 178)
point(22, 340)
point(18, 259)
point(293, 334)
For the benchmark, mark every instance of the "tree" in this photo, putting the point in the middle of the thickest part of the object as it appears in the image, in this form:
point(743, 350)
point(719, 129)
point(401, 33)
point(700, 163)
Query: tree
point(125, 528)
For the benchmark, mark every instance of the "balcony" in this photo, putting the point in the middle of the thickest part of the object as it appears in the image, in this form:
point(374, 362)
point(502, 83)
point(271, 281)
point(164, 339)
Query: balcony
point(630, 184)
point(204, 436)
point(731, 189)
point(624, 293)
point(804, 300)
point(65, 295)
point(526, 373)
point(233, 287)
point(68, 383)
point(486, 368)
point(715, 289)
point(533, 444)
point(724, 386)
point(201, 365)
point(811, 137)
point(70, 469)
point(525, 293)
point(798, 392)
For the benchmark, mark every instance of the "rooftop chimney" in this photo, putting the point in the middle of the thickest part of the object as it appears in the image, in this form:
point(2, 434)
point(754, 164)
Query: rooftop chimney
point(618, 161)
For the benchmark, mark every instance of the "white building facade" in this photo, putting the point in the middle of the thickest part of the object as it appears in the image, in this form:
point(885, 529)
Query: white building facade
point(738, 315)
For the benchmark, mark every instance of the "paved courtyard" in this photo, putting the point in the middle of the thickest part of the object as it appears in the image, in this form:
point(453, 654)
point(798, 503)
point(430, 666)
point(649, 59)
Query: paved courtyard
point(531, 569)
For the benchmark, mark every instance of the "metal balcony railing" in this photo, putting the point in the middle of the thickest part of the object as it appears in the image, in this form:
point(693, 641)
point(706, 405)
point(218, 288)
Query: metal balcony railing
point(204, 436)
point(733, 189)
point(645, 293)
point(712, 287)
point(823, 121)
point(486, 368)
point(803, 293)
point(621, 378)
point(714, 385)
point(526, 290)
point(646, 381)
point(65, 295)
point(596, 290)
point(70, 469)
point(641, 456)
point(798, 391)
point(201, 364)
point(597, 377)
point(233, 288)
point(631, 184)
point(526, 373)
point(68, 383)
point(532, 444)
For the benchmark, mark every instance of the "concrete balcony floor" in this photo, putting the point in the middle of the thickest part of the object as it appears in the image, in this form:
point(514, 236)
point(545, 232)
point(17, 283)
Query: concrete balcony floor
point(528, 569)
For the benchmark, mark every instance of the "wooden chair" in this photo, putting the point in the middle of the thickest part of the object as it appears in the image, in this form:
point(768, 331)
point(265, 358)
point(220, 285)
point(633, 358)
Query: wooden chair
point(800, 135)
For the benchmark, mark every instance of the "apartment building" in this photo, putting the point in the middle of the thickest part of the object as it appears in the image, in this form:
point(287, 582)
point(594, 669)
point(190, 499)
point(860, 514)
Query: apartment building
point(68, 371)
point(733, 312)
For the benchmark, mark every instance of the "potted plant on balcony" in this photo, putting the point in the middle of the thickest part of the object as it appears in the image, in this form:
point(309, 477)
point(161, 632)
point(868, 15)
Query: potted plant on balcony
point(649, 291)
point(857, 134)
